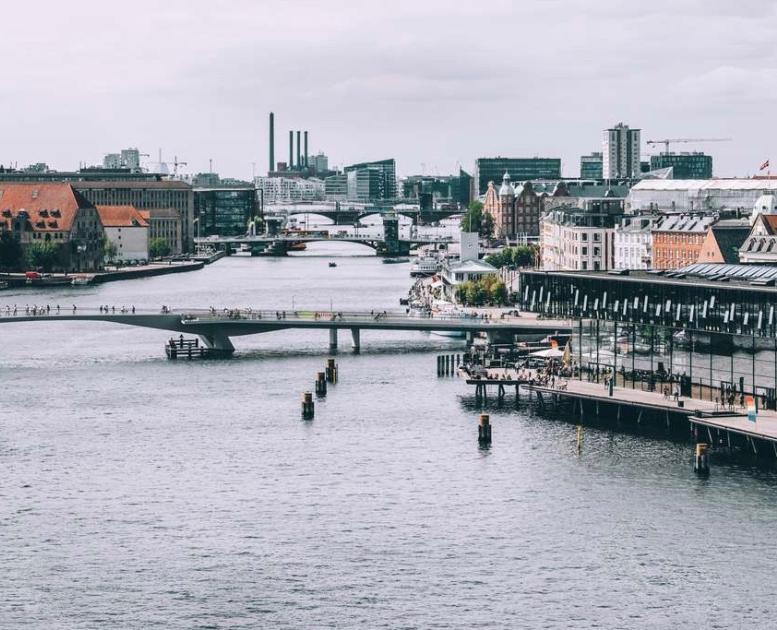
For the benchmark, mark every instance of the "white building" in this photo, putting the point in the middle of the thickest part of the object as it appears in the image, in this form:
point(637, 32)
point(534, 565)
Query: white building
point(698, 195)
point(765, 204)
point(633, 243)
point(573, 239)
point(620, 152)
point(467, 268)
point(285, 189)
point(127, 229)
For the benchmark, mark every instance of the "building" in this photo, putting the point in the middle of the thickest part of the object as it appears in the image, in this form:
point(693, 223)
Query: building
point(364, 184)
point(468, 268)
point(698, 195)
point(387, 174)
point(289, 189)
point(224, 211)
point(760, 244)
point(591, 166)
point(53, 213)
point(620, 152)
point(336, 187)
point(765, 204)
point(723, 241)
point(128, 158)
point(678, 239)
point(514, 209)
point(520, 169)
point(319, 163)
point(147, 195)
point(633, 242)
point(580, 237)
point(127, 229)
point(112, 160)
point(164, 224)
point(685, 165)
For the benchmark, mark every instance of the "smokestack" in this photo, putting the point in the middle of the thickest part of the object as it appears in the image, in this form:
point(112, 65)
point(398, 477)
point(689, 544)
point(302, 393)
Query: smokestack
point(272, 142)
point(291, 149)
point(306, 149)
point(299, 152)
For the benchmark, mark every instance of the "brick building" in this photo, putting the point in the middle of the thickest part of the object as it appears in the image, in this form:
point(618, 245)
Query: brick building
point(678, 239)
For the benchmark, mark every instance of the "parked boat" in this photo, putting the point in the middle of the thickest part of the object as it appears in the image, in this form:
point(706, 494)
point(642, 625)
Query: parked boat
point(46, 279)
point(425, 266)
point(395, 261)
point(332, 263)
point(298, 247)
point(81, 281)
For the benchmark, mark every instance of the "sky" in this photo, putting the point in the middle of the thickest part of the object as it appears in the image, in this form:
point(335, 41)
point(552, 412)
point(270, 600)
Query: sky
point(433, 83)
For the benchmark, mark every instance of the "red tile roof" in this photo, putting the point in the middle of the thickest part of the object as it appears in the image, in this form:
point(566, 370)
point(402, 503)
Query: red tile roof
point(50, 206)
point(121, 216)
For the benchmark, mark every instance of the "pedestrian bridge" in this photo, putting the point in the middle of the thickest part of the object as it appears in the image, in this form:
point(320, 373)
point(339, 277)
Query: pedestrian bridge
point(217, 327)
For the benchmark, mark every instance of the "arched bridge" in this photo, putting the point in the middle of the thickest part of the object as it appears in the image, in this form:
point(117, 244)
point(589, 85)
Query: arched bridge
point(216, 327)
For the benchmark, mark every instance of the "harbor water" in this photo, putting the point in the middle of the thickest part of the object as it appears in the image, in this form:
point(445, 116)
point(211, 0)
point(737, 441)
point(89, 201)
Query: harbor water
point(138, 492)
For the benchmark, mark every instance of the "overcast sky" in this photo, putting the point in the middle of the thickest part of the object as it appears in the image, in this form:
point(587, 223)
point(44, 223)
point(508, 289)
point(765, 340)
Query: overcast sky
point(432, 83)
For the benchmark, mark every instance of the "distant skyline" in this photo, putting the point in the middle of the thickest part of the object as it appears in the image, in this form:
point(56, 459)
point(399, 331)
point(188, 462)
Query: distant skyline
point(432, 84)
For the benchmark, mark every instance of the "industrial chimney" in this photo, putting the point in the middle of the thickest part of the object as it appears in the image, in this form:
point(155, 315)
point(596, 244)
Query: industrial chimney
point(291, 149)
point(306, 150)
point(299, 151)
point(272, 143)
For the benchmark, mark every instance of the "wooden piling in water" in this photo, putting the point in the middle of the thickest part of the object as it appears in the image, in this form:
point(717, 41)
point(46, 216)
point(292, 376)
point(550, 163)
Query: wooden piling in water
point(484, 430)
point(321, 384)
point(331, 371)
point(308, 406)
point(701, 462)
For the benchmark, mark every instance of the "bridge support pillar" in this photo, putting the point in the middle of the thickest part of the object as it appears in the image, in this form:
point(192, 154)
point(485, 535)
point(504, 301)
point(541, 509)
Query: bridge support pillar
point(333, 339)
point(218, 341)
point(356, 340)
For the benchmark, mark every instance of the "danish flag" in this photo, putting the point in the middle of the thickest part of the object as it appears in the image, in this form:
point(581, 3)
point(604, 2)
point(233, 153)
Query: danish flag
point(764, 165)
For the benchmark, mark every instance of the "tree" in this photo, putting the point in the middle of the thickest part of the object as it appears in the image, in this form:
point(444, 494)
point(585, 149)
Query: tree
point(42, 255)
point(158, 247)
point(109, 249)
point(475, 220)
point(11, 254)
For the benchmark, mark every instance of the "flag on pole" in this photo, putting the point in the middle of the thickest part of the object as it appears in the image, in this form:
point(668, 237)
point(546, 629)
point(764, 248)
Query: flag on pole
point(763, 166)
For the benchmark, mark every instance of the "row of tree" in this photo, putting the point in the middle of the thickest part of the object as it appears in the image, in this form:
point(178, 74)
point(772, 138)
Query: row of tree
point(45, 255)
point(520, 256)
point(488, 290)
point(475, 220)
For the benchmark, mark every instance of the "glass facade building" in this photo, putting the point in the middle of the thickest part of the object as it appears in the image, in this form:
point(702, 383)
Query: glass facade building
point(387, 171)
point(684, 165)
point(224, 211)
point(520, 170)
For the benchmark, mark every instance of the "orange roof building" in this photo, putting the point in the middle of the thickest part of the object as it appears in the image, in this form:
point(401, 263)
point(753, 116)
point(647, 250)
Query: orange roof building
point(56, 213)
point(127, 229)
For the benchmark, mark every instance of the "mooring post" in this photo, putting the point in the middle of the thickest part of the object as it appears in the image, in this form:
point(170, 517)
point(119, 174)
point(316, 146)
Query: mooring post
point(321, 384)
point(331, 371)
point(579, 438)
point(484, 430)
point(453, 365)
point(307, 406)
point(701, 462)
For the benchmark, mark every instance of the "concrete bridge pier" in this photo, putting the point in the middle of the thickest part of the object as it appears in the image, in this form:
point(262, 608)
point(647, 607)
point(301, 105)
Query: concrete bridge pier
point(356, 339)
point(218, 341)
point(333, 339)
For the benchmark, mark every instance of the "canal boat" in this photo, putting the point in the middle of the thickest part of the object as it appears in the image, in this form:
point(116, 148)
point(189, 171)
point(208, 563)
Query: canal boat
point(395, 261)
point(425, 266)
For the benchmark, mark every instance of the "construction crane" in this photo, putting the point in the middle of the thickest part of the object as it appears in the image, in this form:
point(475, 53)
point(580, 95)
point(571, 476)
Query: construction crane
point(176, 164)
point(666, 142)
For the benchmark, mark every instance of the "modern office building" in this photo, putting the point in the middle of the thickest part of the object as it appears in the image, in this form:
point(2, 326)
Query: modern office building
point(520, 169)
point(165, 224)
point(365, 184)
point(441, 188)
point(224, 211)
point(336, 187)
point(695, 165)
point(289, 189)
point(620, 152)
point(591, 166)
point(319, 163)
point(387, 170)
point(128, 158)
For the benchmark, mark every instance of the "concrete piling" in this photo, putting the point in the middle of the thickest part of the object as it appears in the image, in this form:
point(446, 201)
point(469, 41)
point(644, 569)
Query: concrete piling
point(308, 406)
point(484, 430)
point(321, 384)
point(701, 461)
point(579, 439)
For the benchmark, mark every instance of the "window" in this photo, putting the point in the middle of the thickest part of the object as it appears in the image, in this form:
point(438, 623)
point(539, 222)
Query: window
point(585, 251)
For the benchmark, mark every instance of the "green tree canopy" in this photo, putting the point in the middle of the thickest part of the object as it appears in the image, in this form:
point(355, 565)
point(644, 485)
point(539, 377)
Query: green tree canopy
point(475, 220)
point(11, 254)
point(158, 247)
point(43, 255)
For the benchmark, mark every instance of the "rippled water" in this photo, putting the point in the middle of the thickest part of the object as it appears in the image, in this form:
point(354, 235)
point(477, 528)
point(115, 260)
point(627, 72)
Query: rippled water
point(137, 492)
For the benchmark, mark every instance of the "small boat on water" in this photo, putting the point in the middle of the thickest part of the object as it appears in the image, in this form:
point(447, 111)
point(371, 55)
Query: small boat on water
point(79, 281)
point(46, 279)
point(332, 263)
point(298, 247)
point(395, 261)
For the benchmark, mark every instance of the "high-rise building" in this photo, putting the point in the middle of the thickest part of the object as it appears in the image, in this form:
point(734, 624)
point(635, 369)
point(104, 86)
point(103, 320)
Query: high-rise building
point(224, 211)
point(591, 166)
point(620, 149)
point(336, 187)
point(130, 158)
point(112, 160)
point(365, 184)
point(695, 165)
point(319, 163)
point(520, 169)
point(387, 170)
